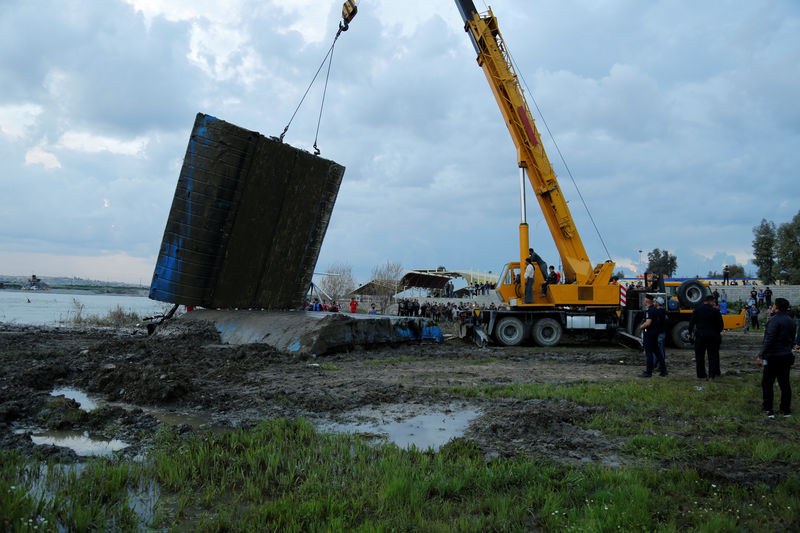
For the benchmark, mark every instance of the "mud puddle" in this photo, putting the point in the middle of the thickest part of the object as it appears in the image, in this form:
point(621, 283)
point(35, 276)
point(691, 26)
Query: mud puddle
point(87, 403)
point(81, 442)
point(84, 402)
point(406, 425)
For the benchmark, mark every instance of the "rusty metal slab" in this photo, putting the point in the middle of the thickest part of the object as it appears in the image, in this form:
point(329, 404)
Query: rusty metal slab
point(247, 221)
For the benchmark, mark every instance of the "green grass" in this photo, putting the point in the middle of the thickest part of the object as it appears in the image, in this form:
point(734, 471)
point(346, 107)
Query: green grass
point(672, 418)
point(43, 496)
point(285, 476)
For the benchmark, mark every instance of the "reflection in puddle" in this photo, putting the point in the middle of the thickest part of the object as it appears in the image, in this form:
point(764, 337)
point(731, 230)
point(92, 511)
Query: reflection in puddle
point(428, 430)
point(86, 403)
point(48, 482)
point(79, 442)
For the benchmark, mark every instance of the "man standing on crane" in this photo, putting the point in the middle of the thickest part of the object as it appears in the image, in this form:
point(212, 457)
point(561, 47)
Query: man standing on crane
point(529, 281)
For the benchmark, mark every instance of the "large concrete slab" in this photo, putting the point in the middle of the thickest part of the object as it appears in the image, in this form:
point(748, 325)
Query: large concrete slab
point(247, 221)
point(313, 333)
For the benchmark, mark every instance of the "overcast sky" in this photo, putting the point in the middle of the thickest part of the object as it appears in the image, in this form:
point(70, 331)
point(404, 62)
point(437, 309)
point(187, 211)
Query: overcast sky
point(679, 120)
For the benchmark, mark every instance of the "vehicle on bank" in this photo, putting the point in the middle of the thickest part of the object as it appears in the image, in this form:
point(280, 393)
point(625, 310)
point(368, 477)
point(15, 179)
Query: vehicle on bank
point(587, 299)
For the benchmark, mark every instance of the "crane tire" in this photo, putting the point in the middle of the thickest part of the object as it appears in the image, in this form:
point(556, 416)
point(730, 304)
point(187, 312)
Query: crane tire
point(509, 331)
point(680, 335)
point(691, 293)
point(546, 332)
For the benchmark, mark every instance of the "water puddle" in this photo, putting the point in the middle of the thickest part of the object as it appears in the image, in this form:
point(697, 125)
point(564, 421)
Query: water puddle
point(45, 485)
point(407, 425)
point(80, 442)
point(85, 403)
point(88, 404)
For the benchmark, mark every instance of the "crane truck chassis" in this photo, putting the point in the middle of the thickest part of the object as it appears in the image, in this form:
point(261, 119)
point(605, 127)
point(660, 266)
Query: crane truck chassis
point(545, 327)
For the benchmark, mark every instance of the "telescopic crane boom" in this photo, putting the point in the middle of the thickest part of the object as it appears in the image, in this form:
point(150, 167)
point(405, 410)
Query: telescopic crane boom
point(494, 59)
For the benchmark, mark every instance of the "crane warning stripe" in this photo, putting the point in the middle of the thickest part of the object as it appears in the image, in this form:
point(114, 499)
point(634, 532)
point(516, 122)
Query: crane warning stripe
point(523, 115)
point(623, 295)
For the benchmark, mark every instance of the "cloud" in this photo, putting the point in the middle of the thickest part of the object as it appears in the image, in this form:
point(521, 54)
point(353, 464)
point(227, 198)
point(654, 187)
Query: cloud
point(37, 156)
point(677, 120)
point(16, 120)
point(87, 142)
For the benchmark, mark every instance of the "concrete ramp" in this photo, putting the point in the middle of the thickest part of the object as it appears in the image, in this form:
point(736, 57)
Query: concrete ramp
point(314, 333)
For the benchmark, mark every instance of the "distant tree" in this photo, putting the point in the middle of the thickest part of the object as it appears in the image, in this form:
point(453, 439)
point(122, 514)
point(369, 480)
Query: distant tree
point(338, 281)
point(662, 263)
point(764, 242)
point(787, 251)
point(619, 274)
point(387, 281)
point(736, 271)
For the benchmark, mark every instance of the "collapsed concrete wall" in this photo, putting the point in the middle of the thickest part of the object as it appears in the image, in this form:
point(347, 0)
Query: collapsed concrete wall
point(247, 221)
point(312, 333)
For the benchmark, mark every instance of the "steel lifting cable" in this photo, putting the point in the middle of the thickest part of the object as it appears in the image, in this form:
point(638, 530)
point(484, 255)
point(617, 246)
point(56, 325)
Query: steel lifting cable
point(329, 58)
point(560, 155)
point(324, 92)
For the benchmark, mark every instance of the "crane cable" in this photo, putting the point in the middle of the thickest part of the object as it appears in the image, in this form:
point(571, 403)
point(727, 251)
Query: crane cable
point(560, 155)
point(343, 26)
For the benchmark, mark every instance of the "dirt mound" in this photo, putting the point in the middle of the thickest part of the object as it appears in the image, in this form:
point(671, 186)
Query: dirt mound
point(545, 428)
point(147, 385)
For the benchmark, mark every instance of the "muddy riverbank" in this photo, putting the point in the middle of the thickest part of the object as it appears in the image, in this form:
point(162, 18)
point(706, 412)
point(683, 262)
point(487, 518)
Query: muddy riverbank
point(186, 377)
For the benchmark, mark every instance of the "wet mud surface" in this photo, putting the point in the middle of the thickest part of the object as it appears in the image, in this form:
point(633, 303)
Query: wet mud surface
point(184, 376)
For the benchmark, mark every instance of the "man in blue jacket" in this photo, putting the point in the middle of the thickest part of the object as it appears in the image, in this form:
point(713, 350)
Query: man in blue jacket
point(776, 357)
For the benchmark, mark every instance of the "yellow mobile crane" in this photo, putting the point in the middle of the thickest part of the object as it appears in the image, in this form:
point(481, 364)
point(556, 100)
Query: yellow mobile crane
point(587, 299)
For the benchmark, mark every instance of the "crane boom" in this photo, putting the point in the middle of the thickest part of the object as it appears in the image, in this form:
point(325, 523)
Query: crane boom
point(496, 63)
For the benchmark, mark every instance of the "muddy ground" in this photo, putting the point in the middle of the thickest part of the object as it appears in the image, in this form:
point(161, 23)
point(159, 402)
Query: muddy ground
point(206, 385)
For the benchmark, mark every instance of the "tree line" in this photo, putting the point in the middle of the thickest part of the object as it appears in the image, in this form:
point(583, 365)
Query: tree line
point(777, 250)
point(339, 283)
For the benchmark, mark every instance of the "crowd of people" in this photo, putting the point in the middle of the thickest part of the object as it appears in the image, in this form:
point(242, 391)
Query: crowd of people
point(438, 311)
point(472, 289)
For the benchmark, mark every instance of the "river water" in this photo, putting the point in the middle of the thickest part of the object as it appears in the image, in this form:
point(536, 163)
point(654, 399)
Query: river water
point(53, 306)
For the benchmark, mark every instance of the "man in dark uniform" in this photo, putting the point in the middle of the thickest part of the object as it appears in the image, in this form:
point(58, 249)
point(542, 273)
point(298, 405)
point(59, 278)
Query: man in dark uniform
point(705, 329)
point(776, 357)
point(662, 331)
point(651, 327)
point(537, 260)
point(552, 279)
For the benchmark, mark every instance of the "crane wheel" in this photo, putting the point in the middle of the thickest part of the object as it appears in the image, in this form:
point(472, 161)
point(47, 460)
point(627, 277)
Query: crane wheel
point(691, 293)
point(546, 332)
point(509, 331)
point(680, 335)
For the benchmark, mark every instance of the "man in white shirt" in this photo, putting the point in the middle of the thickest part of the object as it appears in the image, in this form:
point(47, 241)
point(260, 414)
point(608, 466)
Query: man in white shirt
point(528, 281)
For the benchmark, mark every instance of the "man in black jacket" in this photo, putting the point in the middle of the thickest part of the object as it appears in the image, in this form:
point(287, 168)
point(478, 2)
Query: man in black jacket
point(776, 357)
point(705, 329)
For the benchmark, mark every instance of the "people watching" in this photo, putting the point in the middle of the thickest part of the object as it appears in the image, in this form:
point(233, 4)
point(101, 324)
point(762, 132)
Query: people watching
point(552, 279)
